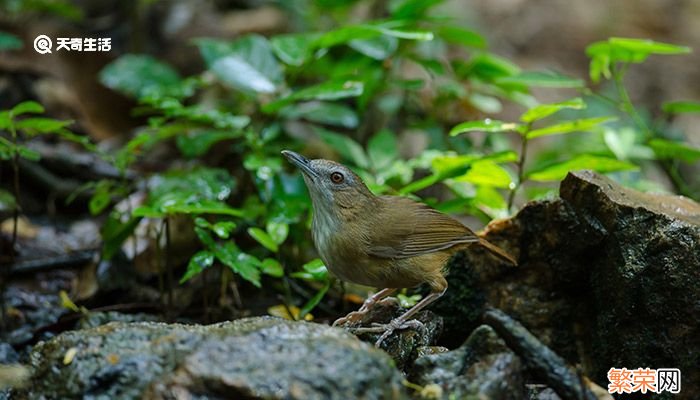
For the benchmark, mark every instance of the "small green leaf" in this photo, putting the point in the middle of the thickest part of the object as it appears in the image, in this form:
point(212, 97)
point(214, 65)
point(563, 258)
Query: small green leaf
point(28, 154)
point(348, 148)
point(196, 143)
point(7, 201)
point(247, 64)
point(489, 67)
point(382, 149)
point(223, 229)
point(487, 173)
point(666, 149)
point(245, 265)
point(679, 107)
point(541, 79)
point(558, 171)
point(323, 113)
point(411, 9)
point(579, 125)
point(39, 125)
point(378, 48)
point(272, 267)
point(263, 238)
point(293, 49)
point(545, 110)
point(277, 231)
point(313, 270)
point(27, 107)
point(139, 75)
point(101, 197)
point(198, 263)
point(487, 125)
point(313, 302)
point(464, 37)
point(9, 41)
point(332, 90)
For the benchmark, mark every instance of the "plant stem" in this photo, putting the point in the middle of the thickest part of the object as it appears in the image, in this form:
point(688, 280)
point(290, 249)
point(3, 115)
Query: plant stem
point(15, 178)
point(520, 165)
point(168, 266)
point(625, 100)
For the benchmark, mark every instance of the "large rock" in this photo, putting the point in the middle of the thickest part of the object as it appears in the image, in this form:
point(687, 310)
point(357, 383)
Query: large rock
point(608, 277)
point(249, 358)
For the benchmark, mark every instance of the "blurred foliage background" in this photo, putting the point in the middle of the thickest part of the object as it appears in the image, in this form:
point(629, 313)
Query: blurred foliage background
point(171, 140)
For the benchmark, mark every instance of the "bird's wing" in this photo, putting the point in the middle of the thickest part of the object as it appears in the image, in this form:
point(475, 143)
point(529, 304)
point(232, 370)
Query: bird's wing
point(415, 228)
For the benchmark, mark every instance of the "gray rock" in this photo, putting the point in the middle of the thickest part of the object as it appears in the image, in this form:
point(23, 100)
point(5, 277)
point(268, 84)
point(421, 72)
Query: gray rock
point(483, 367)
point(249, 358)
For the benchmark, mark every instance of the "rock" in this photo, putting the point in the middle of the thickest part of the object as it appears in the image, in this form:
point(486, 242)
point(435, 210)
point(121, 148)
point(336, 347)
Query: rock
point(259, 357)
point(402, 345)
point(607, 277)
point(483, 367)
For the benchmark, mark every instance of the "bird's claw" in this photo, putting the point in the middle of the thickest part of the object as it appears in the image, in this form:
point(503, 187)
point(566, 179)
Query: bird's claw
point(353, 317)
point(388, 329)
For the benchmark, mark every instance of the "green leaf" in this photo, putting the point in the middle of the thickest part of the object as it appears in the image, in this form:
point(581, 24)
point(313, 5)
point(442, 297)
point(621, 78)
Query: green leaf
point(545, 110)
point(487, 173)
point(679, 107)
point(558, 171)
point(199, 262)
point(9, 41)
point(490, 198)
point(101, 198)
point(114, 232)
point(5, 119)
point(245, 265)
point(332, 90)
point(666, 149)
point(272, 267)
point(196, 143)
point(313, 270)
point(223, 229)
point(489, 67)
point(293, 49)
point(247, 64)
point(547, 79)
point(487, 125)
point(323, 113)
point(27, 107)
point(7, 201)
point(345, 146)
point(382, 149)
point(39, 125)
point(464, 37)
point(28, 154)
point(411, 9)
point(277, 231)
point(140, 75)
point(378, 48)
point(263, 238)
point(579, 125)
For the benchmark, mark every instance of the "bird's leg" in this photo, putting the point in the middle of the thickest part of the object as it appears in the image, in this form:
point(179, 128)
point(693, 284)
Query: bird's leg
point(366, 306)
point(403, 321)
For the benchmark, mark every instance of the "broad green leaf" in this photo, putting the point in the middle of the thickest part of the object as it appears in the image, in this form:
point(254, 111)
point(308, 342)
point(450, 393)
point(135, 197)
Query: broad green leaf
point(27, 107)
point(9, 41)
point(579, 125)
point(483, 103)
point(487, 173)
point(487, 125)
point(196, 143)
point(345, 146)
point(323, 113)
point(198, 263)
point(666, 149)
point(247, 64)
point(277, 231)
point(491, 198)
point(464, 37)
point(293, 49)
point(39, 125)
point(263, 238)
point(345, 34)
point(223, 229)
point(272, 267)
point(545, 110)
point(411, 9)
point(332, 90)
point(379, 48)
point(5, 119)
point(139, 75)
point(558, 171)
point(541, 79)
point(678, 107)
point(382, 149)
point(245, 265)
point(489, 67)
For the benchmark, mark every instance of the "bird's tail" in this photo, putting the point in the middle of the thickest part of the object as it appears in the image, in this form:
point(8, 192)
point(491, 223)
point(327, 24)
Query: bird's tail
point(497, 251)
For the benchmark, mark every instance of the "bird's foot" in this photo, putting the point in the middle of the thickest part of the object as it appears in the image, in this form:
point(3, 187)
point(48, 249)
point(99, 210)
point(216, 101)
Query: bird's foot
point(388, 329)
point(350, 319)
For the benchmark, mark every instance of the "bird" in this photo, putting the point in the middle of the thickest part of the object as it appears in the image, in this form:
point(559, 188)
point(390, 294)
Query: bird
point(387, 242)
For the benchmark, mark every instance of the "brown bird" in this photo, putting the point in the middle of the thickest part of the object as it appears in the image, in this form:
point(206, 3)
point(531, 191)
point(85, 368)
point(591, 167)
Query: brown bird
point(388, 242)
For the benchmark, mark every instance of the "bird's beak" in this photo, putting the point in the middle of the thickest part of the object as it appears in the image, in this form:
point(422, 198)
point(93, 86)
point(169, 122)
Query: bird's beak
point(300, 161)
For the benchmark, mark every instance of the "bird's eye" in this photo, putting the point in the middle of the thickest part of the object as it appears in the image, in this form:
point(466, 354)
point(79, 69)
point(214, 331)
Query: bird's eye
point(337, 177)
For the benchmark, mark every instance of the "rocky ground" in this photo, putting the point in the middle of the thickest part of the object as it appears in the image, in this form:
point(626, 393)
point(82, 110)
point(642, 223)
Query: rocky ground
point(607, 277)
